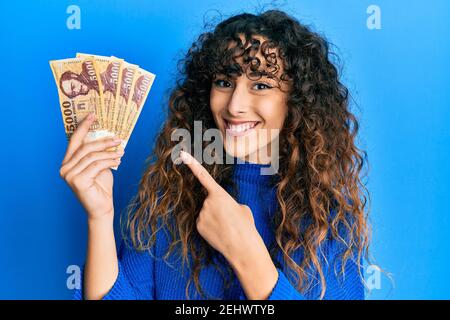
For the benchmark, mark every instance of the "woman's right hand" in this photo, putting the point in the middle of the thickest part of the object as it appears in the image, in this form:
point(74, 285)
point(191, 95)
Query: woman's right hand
point(86, 169)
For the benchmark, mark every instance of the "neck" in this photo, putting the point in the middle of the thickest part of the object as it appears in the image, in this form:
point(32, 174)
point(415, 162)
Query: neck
point(256, 158)
point(258, 173)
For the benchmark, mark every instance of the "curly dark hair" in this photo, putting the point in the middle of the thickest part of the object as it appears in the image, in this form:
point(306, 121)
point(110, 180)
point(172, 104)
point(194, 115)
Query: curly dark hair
point(319, 161)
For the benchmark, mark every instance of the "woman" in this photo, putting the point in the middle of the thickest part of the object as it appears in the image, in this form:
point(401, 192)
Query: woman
point(299, 233)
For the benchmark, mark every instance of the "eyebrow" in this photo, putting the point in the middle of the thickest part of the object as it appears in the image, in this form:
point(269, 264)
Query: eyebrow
point(263, 74)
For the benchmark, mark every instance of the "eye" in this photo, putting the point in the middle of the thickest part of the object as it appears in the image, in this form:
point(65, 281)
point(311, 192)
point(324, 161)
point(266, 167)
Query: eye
point(262, 86)
point(222, 83)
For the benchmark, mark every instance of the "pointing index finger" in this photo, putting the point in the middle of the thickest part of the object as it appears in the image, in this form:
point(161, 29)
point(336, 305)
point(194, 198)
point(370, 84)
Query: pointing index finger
point(200, 172)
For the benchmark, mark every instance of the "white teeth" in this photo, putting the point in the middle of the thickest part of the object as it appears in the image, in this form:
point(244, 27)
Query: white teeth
point(241, 127)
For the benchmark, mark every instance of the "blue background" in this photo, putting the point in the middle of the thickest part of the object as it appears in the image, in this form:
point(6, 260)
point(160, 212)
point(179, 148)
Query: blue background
point(398, 75)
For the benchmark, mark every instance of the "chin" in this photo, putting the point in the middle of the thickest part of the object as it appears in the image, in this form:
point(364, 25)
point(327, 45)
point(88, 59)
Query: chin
point(249, 145)
point(243, 151)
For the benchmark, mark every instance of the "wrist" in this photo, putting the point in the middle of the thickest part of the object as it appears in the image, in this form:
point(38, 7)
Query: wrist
point(256, 271)
point(246, 253)
point(104, 220)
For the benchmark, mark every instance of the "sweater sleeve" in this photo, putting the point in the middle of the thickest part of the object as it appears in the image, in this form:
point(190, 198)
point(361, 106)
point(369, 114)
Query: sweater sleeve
point(346, 286)
point(283, 290)
point(338, 287)
point(135, 279)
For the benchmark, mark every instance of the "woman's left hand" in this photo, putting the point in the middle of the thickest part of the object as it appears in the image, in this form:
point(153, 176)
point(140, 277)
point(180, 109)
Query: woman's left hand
point(226, 225)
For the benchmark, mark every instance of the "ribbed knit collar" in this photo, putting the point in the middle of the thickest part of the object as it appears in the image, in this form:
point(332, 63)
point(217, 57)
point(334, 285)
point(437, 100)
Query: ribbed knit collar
point(251, 172)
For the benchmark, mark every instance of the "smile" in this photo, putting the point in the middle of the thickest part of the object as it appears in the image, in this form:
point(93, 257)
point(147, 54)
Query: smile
point(241, 129)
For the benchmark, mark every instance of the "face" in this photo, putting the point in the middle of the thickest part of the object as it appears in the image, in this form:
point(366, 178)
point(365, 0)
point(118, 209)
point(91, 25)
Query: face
point(73, 87)
point(249, 113)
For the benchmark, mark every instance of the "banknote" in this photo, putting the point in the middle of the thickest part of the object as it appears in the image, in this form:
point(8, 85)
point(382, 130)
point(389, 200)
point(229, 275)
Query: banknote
point(111, 88)
point(127, 83)
point(79, 94)
point(143, 83)
point(110, 69)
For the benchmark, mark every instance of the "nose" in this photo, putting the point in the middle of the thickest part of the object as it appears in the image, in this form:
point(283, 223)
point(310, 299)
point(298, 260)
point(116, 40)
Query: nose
point(240, 101)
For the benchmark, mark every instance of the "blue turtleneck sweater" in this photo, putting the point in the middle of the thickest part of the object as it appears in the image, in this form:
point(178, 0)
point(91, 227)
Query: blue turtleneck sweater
point(145, 276)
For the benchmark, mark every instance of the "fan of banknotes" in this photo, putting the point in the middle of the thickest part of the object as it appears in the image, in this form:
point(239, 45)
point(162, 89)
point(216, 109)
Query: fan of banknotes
point(111, 88)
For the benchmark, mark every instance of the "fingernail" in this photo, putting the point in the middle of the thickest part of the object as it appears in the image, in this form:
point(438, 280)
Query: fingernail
point(117, 139)
point(90, 116)
point(120, 152)
point(183, 155)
